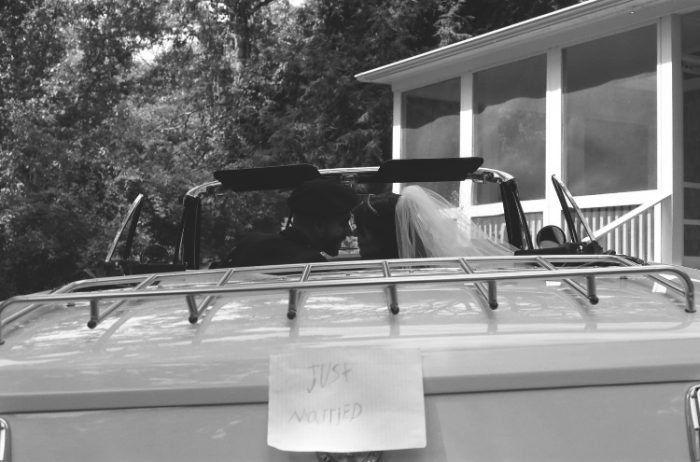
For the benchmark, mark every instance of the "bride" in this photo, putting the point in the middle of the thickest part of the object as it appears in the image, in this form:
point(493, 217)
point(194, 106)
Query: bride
point(427, 225)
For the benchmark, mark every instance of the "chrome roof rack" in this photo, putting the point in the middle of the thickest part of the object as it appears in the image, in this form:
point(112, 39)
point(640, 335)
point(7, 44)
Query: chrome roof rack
point(388, 274)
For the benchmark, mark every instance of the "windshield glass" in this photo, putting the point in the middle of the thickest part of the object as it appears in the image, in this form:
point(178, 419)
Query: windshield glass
point(227, 217)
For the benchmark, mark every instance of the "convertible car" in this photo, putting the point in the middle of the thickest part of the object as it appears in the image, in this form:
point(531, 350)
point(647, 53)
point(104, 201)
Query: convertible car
point(561, 351)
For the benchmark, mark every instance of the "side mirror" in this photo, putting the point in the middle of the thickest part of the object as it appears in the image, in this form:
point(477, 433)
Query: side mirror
point(550, 236)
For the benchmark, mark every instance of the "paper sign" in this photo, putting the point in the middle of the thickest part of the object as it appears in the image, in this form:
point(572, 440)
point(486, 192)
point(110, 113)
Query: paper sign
point(346, 400)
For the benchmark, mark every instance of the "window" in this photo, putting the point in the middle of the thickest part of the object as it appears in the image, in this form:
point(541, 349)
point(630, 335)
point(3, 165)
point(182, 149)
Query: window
point(690, 52)
point(431, 127)
point(610, 114)
point(509, 125)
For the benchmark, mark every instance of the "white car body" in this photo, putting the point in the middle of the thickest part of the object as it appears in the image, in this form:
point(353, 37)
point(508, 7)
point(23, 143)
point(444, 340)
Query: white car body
point(176, 365)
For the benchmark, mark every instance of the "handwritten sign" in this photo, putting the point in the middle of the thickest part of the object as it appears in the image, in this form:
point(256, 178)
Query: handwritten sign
point(346, 400)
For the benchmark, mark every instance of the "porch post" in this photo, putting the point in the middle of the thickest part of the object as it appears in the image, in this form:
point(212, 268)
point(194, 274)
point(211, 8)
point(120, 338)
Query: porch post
point(466, 136)
point(668, 216)
point(553, 138)
point(396, 133)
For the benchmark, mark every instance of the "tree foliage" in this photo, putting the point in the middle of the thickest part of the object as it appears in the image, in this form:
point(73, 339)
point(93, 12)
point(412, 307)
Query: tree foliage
point(103, 99)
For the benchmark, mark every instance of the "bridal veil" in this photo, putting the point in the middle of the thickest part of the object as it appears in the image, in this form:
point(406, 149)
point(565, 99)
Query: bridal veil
point(427, 225)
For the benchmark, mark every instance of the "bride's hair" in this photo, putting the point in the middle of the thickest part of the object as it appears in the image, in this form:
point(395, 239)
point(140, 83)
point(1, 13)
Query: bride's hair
point(427, 225)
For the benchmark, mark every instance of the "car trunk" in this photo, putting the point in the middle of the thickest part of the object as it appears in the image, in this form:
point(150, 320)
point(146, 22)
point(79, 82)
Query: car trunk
point(626, 422)
point(545, 376)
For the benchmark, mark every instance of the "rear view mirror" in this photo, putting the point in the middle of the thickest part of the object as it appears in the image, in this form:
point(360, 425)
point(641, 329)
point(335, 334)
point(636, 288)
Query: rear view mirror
point(550, 236)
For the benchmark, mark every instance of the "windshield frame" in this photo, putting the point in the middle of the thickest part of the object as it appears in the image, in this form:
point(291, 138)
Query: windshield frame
point(518, 233)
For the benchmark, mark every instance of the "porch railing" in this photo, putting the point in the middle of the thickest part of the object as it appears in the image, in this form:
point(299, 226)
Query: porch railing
point(495, 226)
point(628, 230)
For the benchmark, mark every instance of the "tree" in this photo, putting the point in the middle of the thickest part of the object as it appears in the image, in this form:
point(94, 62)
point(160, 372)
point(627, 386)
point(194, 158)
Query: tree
point(104, 99)
point(65, 65)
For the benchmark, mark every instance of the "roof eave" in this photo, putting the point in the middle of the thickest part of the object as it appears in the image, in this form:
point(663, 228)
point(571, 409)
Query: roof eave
point(541, 26)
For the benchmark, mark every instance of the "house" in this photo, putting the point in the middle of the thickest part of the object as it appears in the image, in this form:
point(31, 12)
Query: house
point(604, 94)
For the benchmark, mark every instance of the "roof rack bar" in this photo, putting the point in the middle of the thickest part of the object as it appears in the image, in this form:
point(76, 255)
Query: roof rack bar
point(294, 294)
point(664, 282)
point(492, 301)
point(376, 281)
point(485, 277)
point(292, 307)
point(385, 269)
point(392, 295)
point(206, 320)
point(227, 275)
point(94, 322)
point(592, 292)
point(28, 309)
point(586, 315)
point(94, 313)
point(393, 299)
point(493, 294)
point(305, 273)
point(69, 288)
point(117, 281)
point(194, 318)
point(199, 309)
point(192, 308)
point(667, 284)
point(404, 261)
point(689, 293)
point(588, 292)
point(577, 259)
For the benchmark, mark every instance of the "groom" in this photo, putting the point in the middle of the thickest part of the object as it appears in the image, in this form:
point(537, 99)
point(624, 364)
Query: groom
point(320, 222)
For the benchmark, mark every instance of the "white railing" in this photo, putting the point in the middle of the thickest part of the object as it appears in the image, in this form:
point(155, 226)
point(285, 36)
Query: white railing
point(495, 226)
point(626, 229)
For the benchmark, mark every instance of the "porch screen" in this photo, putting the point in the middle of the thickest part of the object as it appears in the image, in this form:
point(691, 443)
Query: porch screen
point(430, 127)
point(610, 113)
point(509, 125)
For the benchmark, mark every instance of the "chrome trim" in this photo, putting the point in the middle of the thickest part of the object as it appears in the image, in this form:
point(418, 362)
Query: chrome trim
point(493, 303)
point(192, 306)
point(94, 314)
point(203, 306)
point(5, 453)
point(490, 175)
point(202, 188)
point(589, 291)
point(574, 205)
point(348, 170)
point(133, 207)
point(692, 417)
point(392, 297)
point(101, 316)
